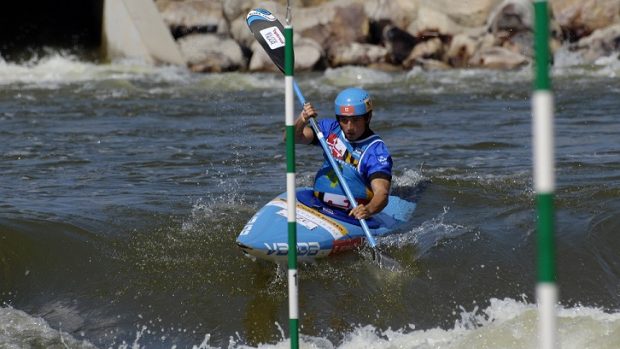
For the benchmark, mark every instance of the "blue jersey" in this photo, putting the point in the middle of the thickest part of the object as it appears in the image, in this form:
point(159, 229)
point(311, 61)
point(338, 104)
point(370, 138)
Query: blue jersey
point(359, 161)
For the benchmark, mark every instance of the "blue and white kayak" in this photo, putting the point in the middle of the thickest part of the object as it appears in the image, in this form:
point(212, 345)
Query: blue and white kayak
point(321, 231)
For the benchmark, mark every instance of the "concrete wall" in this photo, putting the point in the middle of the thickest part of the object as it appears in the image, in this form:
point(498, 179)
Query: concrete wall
point(135, 29)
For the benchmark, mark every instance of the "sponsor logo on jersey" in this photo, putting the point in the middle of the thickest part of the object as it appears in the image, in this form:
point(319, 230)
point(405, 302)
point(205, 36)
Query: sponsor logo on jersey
point(338, 149)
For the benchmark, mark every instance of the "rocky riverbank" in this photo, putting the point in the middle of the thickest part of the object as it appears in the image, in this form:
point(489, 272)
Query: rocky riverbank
point(391, 34)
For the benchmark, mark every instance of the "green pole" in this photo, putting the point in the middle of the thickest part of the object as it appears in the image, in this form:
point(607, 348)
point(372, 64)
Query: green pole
point(544, 179)
point(293, 292)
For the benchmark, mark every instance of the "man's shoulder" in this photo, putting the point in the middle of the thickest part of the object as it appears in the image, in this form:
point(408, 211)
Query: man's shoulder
point(378, 146)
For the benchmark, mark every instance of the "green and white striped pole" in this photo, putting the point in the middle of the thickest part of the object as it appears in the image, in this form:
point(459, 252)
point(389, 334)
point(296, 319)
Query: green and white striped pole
point(291, 199)
point(544, 179)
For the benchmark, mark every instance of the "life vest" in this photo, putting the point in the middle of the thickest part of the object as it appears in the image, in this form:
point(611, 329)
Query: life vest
point(348, 155)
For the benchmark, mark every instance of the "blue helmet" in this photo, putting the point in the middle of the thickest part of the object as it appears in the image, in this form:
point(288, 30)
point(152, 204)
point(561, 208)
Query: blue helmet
point(352, 102)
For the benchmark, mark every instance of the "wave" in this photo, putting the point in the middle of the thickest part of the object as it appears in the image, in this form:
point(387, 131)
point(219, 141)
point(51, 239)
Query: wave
point(504, 323)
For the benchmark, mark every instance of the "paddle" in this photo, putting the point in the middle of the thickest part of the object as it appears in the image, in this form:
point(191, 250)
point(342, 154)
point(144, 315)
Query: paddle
point(269, 33)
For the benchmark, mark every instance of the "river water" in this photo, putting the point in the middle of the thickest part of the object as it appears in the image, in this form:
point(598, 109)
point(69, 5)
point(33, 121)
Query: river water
point(124, 187)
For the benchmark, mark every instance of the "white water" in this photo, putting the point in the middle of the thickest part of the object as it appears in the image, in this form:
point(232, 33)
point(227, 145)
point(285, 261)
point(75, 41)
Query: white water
point(506, 324)
point(60, 67)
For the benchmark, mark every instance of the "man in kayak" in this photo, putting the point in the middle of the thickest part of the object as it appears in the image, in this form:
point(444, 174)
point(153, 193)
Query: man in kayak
point(364, 159)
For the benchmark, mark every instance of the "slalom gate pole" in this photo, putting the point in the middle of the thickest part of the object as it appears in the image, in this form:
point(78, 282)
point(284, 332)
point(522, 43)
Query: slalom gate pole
point(544, 179)
point(291, 199)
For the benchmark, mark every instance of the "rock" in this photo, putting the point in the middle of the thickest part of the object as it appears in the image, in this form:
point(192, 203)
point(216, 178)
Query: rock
point(194, 16)
point(433, 22)
point(398, 42)
point(602, 43)
point(471, 13)
point(498, 58)
point(462, 47)
point(429, 49)
point(308, 53)
point(233, 9)
point(334, 22)
point(398, 12)
point(511, 22)
point(511, 16)
point(354, 53)
point(579, 18)
point(211, 53)
point(349, 23)
point(521, 42)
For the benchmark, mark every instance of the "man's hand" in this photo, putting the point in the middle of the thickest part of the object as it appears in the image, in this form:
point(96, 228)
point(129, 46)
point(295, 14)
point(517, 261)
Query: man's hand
point(381, 190)
point(303, 133)
point(307, 113)
point(360, 212)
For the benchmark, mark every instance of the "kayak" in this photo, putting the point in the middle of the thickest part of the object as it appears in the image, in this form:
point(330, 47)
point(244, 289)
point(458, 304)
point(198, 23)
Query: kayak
point(322, 231)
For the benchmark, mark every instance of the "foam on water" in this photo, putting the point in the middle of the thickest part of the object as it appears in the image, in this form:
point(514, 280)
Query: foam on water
point(426, 235)
point(570, 63)
point(20, 330)
point(58, 68)
point(504, 323)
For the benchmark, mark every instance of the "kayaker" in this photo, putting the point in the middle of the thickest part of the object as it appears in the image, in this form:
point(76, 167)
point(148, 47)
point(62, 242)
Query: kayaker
point(364, 159)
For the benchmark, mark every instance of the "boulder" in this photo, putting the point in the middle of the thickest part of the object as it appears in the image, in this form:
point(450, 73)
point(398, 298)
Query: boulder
point(399, 12)
point(471, 13)
point(233, 9)
point(511, 22)
point(511, 16)
point(498, 58)
point(429, 49)
point(461, 49)
point(433, 22)
point(398, 42)
point(579, 18)
point(211, 53)
point(194, 16)
point(308, 53)
point(334, 22)
point(354, 53)
point(602, 43)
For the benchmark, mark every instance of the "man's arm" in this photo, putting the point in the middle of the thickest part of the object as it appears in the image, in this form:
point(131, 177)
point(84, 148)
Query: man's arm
point(381, 192)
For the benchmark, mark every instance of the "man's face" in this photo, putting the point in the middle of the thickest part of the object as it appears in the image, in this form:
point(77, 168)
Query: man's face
point(353, 126)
